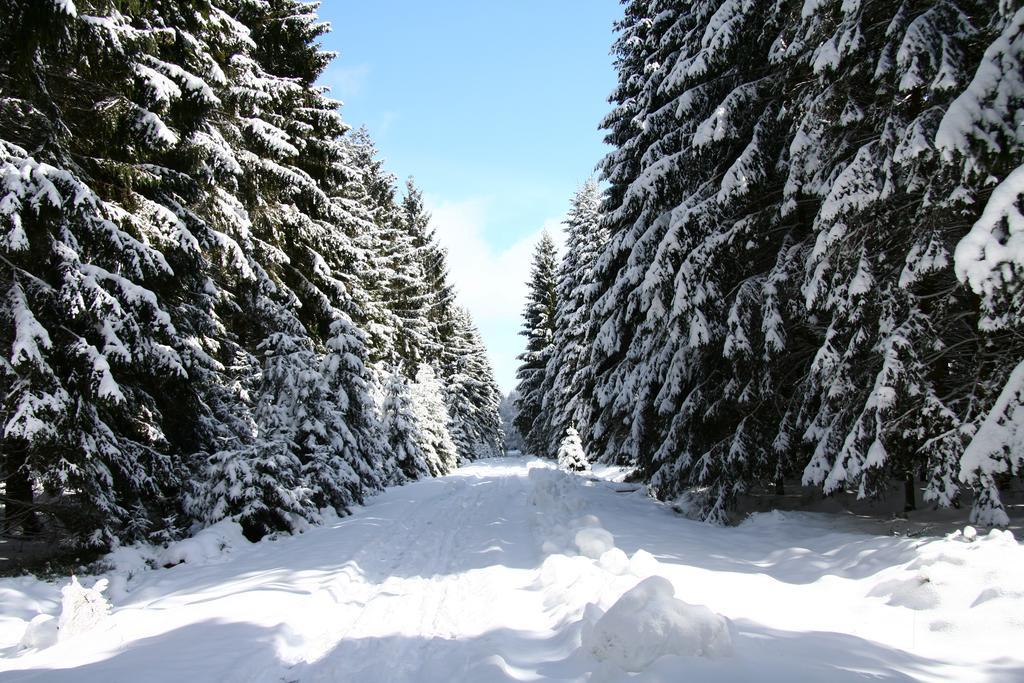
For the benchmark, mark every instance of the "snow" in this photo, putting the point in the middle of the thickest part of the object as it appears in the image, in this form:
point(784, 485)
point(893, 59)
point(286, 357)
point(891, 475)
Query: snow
point(648, 622)
point(209, 545)
point(67, 7)
point(82, 609)
point(594, 542)
point(476, 576)
point(40, 633)
point(981, 256)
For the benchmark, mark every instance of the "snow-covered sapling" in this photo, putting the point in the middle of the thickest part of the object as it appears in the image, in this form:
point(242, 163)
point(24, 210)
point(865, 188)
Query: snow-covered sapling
point(571, 457)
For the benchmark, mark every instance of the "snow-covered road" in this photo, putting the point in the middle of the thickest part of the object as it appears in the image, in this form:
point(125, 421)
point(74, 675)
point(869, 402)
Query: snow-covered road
point(484, 576)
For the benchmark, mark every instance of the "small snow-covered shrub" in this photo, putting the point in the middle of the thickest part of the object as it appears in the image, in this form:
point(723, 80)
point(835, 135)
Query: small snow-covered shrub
point(648, 622)
point(82, 609)
point(571, 457)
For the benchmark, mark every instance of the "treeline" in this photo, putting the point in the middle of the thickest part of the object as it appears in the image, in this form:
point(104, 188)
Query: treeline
point(214, 300)
point(808, 255)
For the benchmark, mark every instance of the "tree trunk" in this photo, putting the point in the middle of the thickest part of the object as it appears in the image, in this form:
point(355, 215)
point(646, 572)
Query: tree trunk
point(18, 502)
point(910, 494)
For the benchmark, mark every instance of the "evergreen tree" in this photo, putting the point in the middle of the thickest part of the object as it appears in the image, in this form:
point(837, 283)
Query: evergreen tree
point(407, 458)
point(568, 387)
point(507, 411)
point(101, 264)
point(297, 230)
point(438, 306)
point(200, 269)
point(539, 330)
point(432, 420)
point(571, 457)
point(472, 395)
point(980, 133)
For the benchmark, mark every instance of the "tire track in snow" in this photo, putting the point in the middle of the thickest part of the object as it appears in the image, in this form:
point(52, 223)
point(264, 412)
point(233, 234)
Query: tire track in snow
point(400, 615)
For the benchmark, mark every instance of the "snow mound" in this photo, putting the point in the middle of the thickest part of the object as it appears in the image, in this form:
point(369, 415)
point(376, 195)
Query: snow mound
point(594, 542)
point(82, 609)
point(917, 593)
point(40, 633)
point(997, 593)
point(648, 622)
point(642, 564)
point(206, 547)
point(614, 561)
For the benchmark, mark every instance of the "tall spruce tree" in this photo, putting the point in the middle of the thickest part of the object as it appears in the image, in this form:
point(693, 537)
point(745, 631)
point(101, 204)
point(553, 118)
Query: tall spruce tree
point(431, 414)
point(472, 396)
point(539, 330)
point(981, 134)
point(568, 381)
point(106, 297)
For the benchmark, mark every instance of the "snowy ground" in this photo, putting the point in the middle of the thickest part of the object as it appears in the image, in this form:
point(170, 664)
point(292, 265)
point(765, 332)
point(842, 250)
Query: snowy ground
point(484, 575)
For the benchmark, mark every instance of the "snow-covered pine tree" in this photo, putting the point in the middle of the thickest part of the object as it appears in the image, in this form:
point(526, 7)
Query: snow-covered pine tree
point(507, 411)
point(568, 379)
point(681, 354)
point(438, 305)
point(370, 189)
point(105, 287)
point(318, 437)
point(193, 256)
point(431, 417)
point(890, 391)
point(472, 396)
point(539, 330)
point(393, 269)
point(980, 133)
point(405, 455)
point(638, 58)
point(409, 296)
point(571, 457)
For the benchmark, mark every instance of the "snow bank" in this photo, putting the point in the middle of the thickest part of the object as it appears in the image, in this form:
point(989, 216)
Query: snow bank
point(622, 623)
point(648, 622)
point(40, 633)
point(965, 582)
point(207, 546)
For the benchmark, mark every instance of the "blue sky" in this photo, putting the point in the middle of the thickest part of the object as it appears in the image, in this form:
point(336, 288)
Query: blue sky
point(493, 107)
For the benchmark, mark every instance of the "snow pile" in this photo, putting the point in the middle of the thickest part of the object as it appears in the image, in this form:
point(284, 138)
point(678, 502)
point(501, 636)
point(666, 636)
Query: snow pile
point(594, 542)
point(964, 582)
point(40, 633)
point(555, 508)
point(648, 622)
point(622, 622)
point(207, 546)
point(614, 561)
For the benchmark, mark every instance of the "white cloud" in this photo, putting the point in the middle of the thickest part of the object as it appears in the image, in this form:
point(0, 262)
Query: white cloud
point(492, 282)
point(346, 81)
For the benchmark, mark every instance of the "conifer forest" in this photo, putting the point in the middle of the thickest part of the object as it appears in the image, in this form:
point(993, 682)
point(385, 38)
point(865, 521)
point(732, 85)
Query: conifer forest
point(217, 301)
point(314, 366)
point(805, 264)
